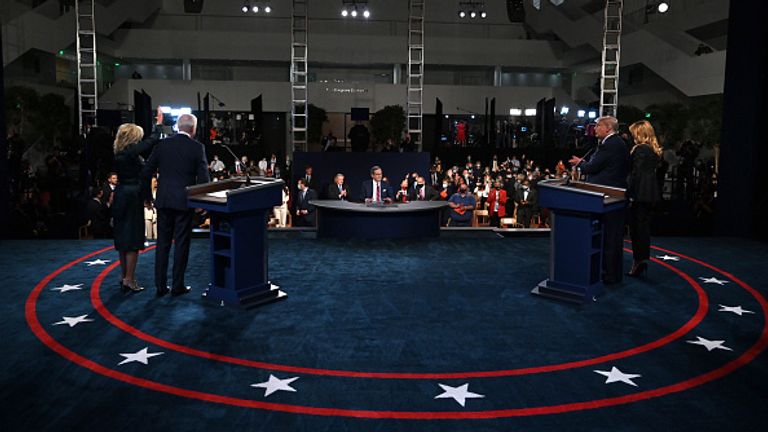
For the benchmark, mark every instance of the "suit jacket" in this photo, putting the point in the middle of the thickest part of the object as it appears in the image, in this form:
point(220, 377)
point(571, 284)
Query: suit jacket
point(181, 162)
point(333, 191)
point(609, 165)
point(386, 190)
point(430, 194)
point(502, 202)
point(303, 204)
point(533, 197)
point(643, 183)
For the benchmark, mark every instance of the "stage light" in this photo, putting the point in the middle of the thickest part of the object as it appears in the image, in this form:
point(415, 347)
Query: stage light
point(446, 116)
point(564, 110)
point(530, 112)
point(581, 113)
point(267, 9)
point(61, 52)
point(366, 14)
point(483, 15)
point(255, 9)
point(473, 14)
point(593, 114)
point(344, 12)
point(663, 7)
point(647, 115)
point(462, 14)
point(354, 13)
point(245, 8)
point(515, 112)
point(472, 116)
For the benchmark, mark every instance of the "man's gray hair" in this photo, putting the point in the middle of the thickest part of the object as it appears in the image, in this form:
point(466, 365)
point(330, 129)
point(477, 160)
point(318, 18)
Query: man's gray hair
point(187, 123)
point(374, 169)
point(609, 121)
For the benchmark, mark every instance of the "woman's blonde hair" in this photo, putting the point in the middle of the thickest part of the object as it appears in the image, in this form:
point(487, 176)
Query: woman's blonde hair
point(643, 133)
point(128, 134)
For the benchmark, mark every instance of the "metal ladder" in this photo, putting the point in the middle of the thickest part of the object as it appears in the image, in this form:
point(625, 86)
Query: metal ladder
point(609, 74)
point(299, 94)
point(415, 97)
point(87, 86)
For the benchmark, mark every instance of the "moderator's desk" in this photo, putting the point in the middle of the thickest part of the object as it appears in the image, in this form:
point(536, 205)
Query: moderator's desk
point(343, 219)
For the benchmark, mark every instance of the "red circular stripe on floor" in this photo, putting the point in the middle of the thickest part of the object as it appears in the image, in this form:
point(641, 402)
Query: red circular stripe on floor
point(746, 357)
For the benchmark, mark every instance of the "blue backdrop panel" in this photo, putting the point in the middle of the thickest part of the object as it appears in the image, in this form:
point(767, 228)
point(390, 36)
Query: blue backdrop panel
point(356, 167)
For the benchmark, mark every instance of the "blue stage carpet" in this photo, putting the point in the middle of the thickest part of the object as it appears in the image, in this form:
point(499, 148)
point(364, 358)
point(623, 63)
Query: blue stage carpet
point(436, 334)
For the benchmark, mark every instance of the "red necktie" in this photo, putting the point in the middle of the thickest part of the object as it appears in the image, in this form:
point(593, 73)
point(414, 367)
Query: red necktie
point(378, 191)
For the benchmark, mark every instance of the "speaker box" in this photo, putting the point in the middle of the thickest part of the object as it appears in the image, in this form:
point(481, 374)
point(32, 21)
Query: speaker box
point(515, 11)
point(193, 6)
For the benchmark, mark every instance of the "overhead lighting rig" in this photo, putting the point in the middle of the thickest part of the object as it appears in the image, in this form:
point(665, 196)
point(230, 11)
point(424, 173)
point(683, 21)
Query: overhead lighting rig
point(256, 7)
point(354, 9)
point(472, 9)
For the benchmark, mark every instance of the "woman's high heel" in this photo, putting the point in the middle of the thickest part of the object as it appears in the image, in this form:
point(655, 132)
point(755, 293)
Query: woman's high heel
point(640, 270)
point(131, 287)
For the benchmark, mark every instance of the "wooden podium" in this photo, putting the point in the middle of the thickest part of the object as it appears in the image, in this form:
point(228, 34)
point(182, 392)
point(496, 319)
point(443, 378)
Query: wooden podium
point(575, 262)
point(239, 209)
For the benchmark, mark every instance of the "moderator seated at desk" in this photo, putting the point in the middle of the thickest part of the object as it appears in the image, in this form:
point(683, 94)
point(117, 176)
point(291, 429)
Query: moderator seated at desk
point(343, 219)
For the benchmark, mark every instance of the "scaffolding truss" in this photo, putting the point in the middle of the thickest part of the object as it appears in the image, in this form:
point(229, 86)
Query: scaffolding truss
point(609, 73)
point(299, 91)
point(87, 74)
point(415, 97)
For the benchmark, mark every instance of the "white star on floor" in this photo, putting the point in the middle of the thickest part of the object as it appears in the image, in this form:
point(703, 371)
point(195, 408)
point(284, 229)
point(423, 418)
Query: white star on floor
point(64, 288)
point(73, 321)
point(734, 309)
point(460, 394)
point(97, 262)
point(668, 258)
point(714, 280)
point(710, 344)
point(275, 384)
point(141, 356)
point(615, 375)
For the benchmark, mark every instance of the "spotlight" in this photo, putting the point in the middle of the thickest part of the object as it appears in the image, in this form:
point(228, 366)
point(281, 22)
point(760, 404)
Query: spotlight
point(267, 9)
point(592, 114)
point(354, 13)
point(581, 113)
point(462, 14)
point(530, 112)
point(245, 8)
point(255, 9)
point(564, 110)
point(473, 14)
point(344, 12)
point(663, 7)
point(483, 15)
point(515, 112)
point(366, 14)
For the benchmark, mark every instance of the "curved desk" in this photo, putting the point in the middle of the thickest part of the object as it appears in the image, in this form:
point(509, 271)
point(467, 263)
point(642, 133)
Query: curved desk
point(343, 219)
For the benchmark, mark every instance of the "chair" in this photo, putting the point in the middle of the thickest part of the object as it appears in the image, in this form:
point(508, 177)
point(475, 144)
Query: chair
point(507, 222)
point(481, 218)
point(84, 231)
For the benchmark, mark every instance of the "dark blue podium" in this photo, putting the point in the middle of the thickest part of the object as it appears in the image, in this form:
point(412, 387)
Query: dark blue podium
point(575, 262)
point(238, 209)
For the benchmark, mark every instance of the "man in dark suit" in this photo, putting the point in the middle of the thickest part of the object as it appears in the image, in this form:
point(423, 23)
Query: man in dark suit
point(180, 162)
point(526, 199)
point(304, 211)
point(338, 190)
point(376, 189)
point(96, 214)
point(309, 179)
point(423, 192)
point(609, 165)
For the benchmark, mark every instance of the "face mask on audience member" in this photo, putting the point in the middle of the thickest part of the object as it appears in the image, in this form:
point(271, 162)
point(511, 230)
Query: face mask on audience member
point(445, 185)
point(419, 185)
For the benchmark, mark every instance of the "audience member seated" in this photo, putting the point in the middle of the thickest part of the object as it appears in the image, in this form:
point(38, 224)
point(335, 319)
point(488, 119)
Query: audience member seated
point(281, 211)
point(462, 205)
point(423, 192)
point(403, 193)
point(377, 189)
point(338, 190)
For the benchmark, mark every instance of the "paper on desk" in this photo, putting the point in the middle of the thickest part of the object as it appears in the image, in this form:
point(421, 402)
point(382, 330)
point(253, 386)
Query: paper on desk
point(219, 194)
